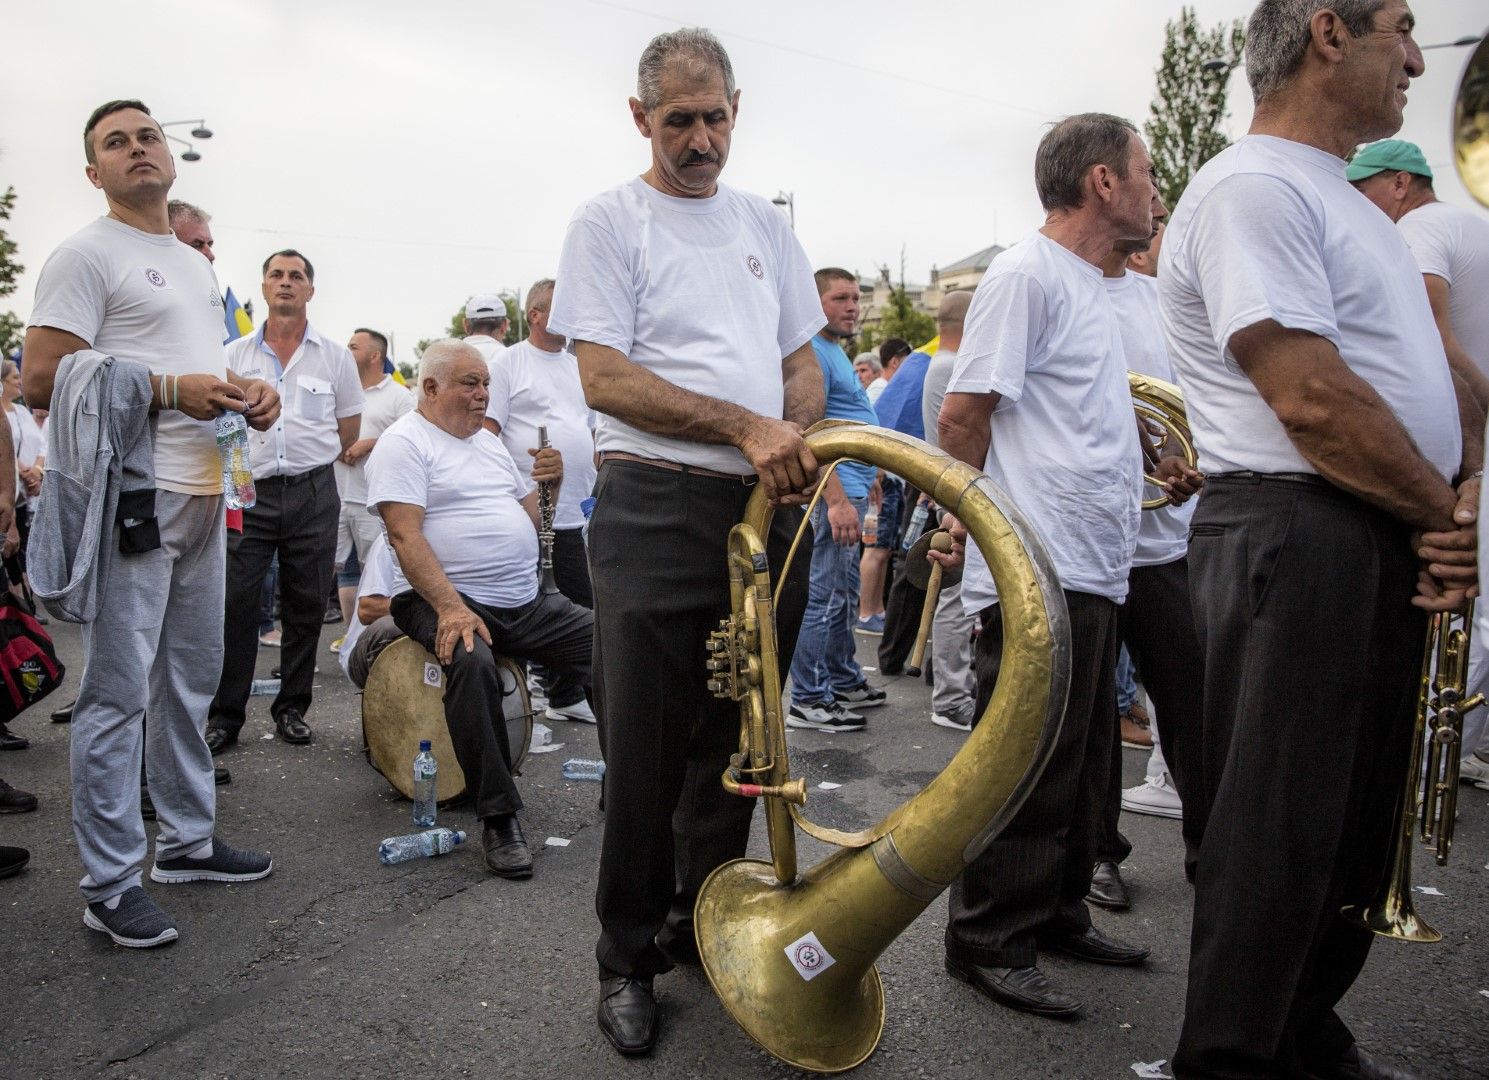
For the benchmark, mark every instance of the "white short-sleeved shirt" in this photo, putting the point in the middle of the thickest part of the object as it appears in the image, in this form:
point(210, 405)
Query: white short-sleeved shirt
point(386, 402)
point(317, 387)
point(1271, 229)
point(380, 577)
point(471, 492)
point(1453, 244)
point(1163, 535)
point(933, 392)
point(709, 294)
point(1041, 333)
point(151, 299)
point(531, 388)
point(490, 349)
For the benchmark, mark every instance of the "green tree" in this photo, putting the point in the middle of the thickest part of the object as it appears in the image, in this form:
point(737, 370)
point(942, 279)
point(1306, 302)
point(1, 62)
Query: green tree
point(12, 329)
point(900, 318)
point(1193, 80)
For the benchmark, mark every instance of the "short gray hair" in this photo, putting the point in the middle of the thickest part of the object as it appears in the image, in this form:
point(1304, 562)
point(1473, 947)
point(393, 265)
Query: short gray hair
point(439, 356)
point(702, 52)
point(1277, 36)
point(871, 359)
point(178, 210)
point(1072, 148)
point(541, 287)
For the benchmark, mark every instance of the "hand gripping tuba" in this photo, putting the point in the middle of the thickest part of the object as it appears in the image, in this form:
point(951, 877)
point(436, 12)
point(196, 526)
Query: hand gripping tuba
point(1160, 404)
point(792, 956)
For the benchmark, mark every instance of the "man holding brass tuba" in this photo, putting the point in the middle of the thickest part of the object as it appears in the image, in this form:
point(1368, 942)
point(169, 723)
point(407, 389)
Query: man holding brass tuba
point(691, 308)
point(1328, 426)
point(1039, 399)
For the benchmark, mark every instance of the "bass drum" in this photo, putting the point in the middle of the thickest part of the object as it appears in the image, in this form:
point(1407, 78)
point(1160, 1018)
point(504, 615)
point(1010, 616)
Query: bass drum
point(403, 703)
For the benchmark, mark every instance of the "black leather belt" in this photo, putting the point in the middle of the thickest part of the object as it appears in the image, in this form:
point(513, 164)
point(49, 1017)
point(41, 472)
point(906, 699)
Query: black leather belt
point(297, 478)
point(1246, 476)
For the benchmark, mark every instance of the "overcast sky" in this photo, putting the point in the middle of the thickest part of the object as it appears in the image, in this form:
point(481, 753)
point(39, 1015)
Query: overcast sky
point(420, 152)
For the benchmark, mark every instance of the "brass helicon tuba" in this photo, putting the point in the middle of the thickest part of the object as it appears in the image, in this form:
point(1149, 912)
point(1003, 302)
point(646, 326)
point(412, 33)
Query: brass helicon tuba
point(792, 954)
point(1161, 404)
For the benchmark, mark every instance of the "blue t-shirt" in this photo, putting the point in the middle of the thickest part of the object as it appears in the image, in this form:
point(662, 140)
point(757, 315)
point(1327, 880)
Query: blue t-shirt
point(899, 405)
point(846, 400)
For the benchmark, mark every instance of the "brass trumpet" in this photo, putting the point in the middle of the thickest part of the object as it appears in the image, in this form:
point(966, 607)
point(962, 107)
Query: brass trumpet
point(1429, 798)
point(791, 955)
point(1161, 403)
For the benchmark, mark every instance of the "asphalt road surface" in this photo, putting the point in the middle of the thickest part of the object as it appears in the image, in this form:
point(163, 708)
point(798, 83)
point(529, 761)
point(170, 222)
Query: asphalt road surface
point(337, 966)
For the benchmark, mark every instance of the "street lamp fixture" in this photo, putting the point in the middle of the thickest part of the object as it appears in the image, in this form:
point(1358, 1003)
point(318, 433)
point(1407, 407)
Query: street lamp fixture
point(788, 200)
point(200, 131)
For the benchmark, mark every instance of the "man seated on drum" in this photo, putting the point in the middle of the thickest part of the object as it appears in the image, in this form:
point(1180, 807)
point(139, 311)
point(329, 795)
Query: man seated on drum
point(372, 628)
point(463, 523)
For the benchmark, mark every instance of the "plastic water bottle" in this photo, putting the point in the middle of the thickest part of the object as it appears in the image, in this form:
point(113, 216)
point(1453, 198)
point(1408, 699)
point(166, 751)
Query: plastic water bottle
point(584, 769)
point(422, 845)
point(869, 533)
point(237, 473)
point(263, 687)
point(917, 523)
point(425, 768)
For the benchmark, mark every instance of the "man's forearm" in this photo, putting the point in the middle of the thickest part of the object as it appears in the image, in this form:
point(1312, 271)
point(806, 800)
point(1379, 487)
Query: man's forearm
point(1471, 419)
point(422, 570)
point(805, 398)
point(629, 392)
point(963, 427)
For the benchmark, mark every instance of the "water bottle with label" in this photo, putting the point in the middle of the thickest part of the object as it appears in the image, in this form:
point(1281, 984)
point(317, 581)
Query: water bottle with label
point(237, 472)
point(584, 769)
point(263, 687)
point(917, 523)
point(425, 768)
point(869, 533)
point(397, 849)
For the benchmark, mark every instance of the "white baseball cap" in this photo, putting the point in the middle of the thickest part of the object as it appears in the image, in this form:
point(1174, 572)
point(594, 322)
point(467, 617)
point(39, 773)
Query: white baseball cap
point(486, 306)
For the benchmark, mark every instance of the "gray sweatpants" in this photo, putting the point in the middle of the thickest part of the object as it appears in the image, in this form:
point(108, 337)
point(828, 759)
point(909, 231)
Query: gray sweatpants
point(955, 691)
point(156, 644)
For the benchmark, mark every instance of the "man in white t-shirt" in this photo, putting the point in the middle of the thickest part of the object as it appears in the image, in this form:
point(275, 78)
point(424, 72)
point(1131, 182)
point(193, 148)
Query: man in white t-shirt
point(1156, 623)
point(1039, 399)
point(691, 308)
point(297, 507)
point(358, 528)
point(1451, 247)
point(462, 520)
point(1324, 411)
point(125, 287)
point(486, 324)
point(536, 385)
point(371, 627)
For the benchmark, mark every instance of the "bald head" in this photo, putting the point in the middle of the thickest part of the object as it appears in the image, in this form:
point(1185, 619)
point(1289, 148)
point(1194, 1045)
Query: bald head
point(951, 316)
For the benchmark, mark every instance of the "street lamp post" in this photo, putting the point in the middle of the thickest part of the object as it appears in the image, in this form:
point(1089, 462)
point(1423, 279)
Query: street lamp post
point(788, 200)
point(199, 131)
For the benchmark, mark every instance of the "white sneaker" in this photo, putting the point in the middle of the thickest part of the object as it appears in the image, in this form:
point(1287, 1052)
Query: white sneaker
point(1474, 770)
point(1155, 797)
point(579, 711)
point(823, 716)
point(942, 720)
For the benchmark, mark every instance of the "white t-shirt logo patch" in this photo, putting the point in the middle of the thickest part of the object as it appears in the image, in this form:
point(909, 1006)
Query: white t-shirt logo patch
point(808, 956)
point(432, 674)
point(755, 267)
point(155, 278)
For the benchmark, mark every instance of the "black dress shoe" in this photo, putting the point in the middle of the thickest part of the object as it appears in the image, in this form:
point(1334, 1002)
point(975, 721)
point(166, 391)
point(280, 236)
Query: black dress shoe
point(13, 860)
point(506, 848)
point(1096, 947)
point(292, 728)
point(1023, 988)
point(1107, 889)
point(221, 776)
point(219, 739)
point(14, 800)
point(11, 742)
point(1355, 1064)
point(628, 1015)
point(64, 714)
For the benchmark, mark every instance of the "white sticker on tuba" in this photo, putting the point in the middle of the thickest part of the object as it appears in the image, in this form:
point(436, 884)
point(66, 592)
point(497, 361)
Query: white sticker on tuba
point(808, 956)
point(432, 674)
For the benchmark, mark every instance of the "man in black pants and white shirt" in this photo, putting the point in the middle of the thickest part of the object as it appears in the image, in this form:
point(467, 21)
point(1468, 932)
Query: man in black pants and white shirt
point(462, 520)
point(536, 384)
point(1329, 430)
point(1039, 398)
point(691, 307)
point(298, 506)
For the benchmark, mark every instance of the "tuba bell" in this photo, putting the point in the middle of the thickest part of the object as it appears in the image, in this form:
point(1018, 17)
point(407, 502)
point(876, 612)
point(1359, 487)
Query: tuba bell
point(1162, 404)
point(791, 955)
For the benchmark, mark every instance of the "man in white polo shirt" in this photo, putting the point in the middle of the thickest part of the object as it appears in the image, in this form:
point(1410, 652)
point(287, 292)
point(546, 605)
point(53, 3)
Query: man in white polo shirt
point(1328, 429)
point(297, 508)
point(691, 308)
point(463, 522)
point(535, 385)
point(387, 400)
point(486, 323)
point(1039, 398)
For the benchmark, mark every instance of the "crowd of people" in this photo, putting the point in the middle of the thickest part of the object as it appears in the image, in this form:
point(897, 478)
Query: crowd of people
point(1319, 315)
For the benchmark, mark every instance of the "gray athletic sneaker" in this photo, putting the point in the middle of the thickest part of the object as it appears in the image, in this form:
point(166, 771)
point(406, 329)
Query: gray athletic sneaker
point(226, 863)
point(137, 923)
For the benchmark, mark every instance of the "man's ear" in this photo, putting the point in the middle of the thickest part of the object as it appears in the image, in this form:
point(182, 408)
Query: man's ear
point(638, 117)
point(91, 172)
point(1328, 34)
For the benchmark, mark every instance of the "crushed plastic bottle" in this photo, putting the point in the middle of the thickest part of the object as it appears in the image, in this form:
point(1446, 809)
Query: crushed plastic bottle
point(425, 770)
point(917, 524)
point(263, 687)
point(237, 473)
point(584, 769)
point(397, 849)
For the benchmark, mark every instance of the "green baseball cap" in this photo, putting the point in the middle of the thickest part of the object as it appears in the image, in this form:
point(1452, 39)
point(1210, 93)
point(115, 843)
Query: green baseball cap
point(1388, 155)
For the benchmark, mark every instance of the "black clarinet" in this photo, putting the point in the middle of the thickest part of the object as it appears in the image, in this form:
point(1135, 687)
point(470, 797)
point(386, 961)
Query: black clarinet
point(545, 527)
